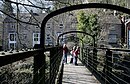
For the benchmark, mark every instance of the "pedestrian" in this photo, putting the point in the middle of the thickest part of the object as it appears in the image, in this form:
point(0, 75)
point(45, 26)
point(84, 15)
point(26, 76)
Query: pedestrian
point(76, 55)
point(65, 51)
point(72, 54)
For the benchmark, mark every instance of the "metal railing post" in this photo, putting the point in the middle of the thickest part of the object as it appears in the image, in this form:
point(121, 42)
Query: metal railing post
point(87, 56)
point(39, 68)
point(53, 52)
point(61, 67)
point(35, 72)
point(108, 68)
point(109, 61)
point(95, 58)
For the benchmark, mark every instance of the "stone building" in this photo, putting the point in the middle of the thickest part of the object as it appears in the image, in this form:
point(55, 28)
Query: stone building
point(111, 32)
point(22, 35)
point(26, 36)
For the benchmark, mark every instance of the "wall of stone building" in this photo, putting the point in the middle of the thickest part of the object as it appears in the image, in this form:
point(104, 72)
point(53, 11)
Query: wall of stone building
point(7, 28)
point(116, 29)
point(111, 29)
point(24, 36)
point(69, 24)
point(1, 31)
point(49, 32)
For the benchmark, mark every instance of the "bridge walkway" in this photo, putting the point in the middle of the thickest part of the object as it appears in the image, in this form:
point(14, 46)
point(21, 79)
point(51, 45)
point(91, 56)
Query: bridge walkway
point(79, 74)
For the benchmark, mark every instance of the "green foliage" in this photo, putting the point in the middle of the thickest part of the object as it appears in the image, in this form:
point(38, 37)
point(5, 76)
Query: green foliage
point(121, 3)
point(89, 24)
point(72, 39)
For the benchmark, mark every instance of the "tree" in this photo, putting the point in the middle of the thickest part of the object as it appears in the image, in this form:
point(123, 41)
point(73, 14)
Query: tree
point(89, 24)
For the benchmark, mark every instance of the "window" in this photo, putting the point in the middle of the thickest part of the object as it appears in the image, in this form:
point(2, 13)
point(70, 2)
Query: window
point(36, 27)
point(61, 26)
point(112, 38)
point(48, 26)
point(12, 37)
point(48, 36)
point(48, 39)
point(12, 46)
point(62, 38)
point(13, 25)
point(58, 33)
point(12, 40)
point(112, 28)
point(36, 38)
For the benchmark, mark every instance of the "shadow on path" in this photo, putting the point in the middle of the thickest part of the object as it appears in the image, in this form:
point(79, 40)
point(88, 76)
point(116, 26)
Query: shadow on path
point(77, 74)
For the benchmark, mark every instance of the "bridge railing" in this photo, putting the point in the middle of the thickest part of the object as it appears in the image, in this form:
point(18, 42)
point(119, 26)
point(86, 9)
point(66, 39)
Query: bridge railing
point(31, 66)
point(55, 65)
point(108, 65)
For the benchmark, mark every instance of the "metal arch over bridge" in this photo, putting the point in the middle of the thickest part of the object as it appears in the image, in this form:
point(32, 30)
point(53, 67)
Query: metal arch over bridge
point(75, 7)
point(77, 38)
point(39, 64)
point(75, 32)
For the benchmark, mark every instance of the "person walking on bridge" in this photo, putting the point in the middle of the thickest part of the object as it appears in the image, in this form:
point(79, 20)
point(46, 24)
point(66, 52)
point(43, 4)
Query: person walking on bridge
point(76, 55)
point(65, 51)
point(72, 54)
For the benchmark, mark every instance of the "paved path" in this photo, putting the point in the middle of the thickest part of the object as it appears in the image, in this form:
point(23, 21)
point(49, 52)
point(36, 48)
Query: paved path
point(77, 74)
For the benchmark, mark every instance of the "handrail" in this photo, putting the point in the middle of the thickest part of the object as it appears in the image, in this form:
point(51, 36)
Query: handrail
point(13, 57)
point(109, 66)
point(55, 58)
point(116, 49)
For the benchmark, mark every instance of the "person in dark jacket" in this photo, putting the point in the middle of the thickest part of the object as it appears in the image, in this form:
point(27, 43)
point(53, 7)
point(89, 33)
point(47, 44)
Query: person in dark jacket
point(65, 51)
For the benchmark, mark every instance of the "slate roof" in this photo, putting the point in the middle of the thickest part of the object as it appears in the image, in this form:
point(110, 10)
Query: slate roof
point(110, 19)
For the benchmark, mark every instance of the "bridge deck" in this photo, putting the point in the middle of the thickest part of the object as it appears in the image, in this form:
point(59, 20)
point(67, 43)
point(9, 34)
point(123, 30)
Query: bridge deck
point(77, 74)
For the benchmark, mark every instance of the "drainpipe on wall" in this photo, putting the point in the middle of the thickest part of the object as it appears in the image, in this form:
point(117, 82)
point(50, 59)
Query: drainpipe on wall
point(17, 26)
point(123, 30)
point(127, 34)
point(3, 37)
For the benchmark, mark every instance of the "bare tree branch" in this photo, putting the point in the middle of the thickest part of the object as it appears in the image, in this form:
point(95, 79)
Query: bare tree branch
point(28, 5)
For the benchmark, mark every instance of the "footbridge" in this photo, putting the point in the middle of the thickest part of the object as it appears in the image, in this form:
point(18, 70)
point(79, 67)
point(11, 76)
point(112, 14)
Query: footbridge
point(96, 65)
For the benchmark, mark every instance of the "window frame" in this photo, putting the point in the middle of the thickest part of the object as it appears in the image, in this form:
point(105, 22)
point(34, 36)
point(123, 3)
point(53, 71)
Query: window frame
point(12, 41)
point(61, 26)
point(36, 36)
point(112, 40)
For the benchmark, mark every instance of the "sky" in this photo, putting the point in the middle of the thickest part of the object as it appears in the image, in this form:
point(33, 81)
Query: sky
point(38, 3)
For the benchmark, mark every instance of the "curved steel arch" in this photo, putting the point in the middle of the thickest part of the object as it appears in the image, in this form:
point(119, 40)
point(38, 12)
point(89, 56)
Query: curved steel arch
point(76, 38)
point(74, 32)
point(75, 7)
